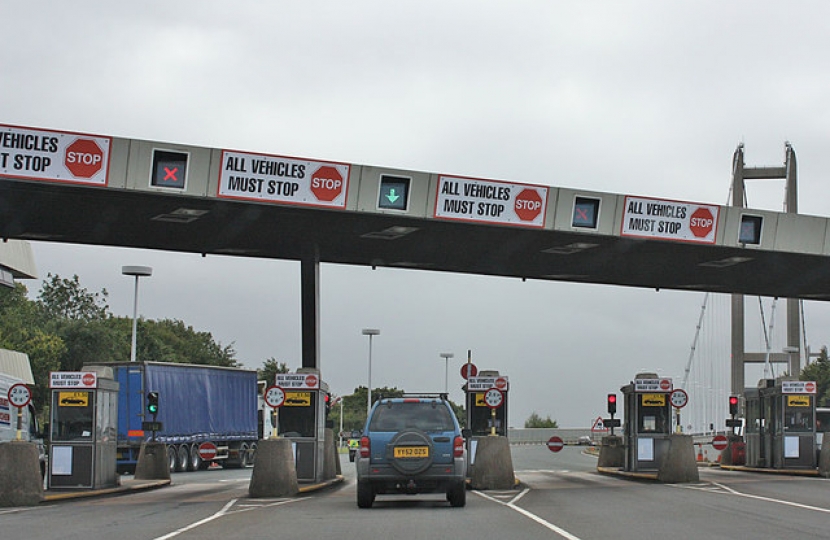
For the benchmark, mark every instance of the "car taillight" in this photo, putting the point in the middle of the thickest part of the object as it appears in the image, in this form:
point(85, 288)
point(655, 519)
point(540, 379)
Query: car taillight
point(364, 447)
point(458, 446)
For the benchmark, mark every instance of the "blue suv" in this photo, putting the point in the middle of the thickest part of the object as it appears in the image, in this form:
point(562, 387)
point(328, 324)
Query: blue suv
point(410, 445)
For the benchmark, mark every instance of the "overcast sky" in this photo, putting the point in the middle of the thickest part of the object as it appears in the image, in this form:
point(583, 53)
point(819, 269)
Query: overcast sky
point(641, 98)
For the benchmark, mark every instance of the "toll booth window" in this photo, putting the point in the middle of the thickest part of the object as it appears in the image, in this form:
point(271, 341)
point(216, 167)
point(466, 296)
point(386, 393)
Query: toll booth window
point(798, 414)
point(394, 192)
point(169, 169)
point(73, 415)
point(297, 417)
point(653, 414)
point(750, 232)
point(586, 213)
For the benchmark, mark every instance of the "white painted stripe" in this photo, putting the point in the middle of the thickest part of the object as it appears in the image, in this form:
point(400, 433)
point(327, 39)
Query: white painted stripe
point(548, 525)
point(769, 499)
point(223, 512)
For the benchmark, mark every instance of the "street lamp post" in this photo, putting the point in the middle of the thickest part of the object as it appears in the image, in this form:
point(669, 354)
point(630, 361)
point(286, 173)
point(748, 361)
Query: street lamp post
point(446, 356)
point(137, 272)
point(370, 332)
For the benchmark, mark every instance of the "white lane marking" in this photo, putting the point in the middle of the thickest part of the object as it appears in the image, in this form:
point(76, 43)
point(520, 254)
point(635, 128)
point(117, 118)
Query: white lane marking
point(511, 504)
point(769, 499)
point(224, 511)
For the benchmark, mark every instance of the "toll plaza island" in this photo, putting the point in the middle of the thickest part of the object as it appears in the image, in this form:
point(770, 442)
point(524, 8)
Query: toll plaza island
point(95, 189)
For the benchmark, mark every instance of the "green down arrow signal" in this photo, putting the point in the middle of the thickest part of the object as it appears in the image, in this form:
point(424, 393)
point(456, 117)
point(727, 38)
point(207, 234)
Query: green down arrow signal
point(392, 196)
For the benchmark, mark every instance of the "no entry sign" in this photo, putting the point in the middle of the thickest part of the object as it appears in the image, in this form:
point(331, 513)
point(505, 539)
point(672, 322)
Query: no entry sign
point(555, 444)
point(720, 442)
point(207, 451)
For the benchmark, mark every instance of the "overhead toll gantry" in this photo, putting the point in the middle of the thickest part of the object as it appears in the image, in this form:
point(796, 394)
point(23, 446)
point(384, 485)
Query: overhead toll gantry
point(101, 190)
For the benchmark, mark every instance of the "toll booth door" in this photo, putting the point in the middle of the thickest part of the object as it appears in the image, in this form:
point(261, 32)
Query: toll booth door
point(71, 455)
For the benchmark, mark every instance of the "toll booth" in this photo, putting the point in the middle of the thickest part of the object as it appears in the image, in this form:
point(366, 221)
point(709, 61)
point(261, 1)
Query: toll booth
point(302, 419)
point(648, 422)
point(781, 425)
point(479, 415)
point(83, 430)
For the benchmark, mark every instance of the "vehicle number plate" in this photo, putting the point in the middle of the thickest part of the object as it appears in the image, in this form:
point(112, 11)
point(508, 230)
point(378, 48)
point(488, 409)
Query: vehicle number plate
point(411, 451)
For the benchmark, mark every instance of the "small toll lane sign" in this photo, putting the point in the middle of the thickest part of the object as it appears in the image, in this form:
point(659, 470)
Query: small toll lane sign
point(274, 396)
point(555, 444)
point(679, 398)
point(493, 398)
point(19, 395)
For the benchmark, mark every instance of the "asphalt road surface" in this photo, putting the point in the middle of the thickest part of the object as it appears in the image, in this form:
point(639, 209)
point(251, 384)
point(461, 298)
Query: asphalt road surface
point(561, 496)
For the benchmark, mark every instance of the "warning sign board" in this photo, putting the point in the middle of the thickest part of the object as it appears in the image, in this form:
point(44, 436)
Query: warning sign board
point(54, 156)
point(475, 384)
point(297, 399)
point(654, 400)
point(670, 220)
point(73, 399)
point(308, 381)
point(599, 426)
point(798, 387)
point(490, 201)
point(73, 379)
point(284, 180)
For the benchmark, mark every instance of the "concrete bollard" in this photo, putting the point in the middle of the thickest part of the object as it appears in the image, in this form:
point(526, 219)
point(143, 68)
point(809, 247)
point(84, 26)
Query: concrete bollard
point(493, 464)
point(611, 452)
point(275, 474)
point(679, 466)
point(20, 474)
point(152, 462)
point(824, 457)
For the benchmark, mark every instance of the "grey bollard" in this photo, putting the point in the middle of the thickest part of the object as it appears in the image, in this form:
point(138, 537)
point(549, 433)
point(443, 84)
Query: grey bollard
point(20, 474)
point(275, 474)
point(493, 464)
point(824, 457)
point(679, 465)
point(611, 452)
point(152, 462)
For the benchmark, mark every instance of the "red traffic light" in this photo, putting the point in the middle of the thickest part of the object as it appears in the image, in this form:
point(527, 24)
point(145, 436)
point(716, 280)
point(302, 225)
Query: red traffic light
point(733, 405)
point(612, 404)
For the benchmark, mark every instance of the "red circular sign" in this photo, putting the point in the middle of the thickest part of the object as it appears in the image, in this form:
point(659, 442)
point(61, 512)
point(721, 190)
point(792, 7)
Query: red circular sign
point(326, 183)
point(555, 444)
point(311, 381)
point(88, 379)
point(679, 398)
point(501, 384)
point(701, 222)
point(528, 204)
point(469, 370)
point(19, 395)
point(207, 451)
point(84, 158)
point(274, 396)
point(665, 385)
point(493, 398)
point(810, 387)
point(720, 442)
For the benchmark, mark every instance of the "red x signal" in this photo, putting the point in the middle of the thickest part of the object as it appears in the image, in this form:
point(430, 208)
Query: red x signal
point(170, 174)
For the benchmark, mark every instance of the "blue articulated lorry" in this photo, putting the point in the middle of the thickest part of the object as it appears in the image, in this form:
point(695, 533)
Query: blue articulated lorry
point(208, 414)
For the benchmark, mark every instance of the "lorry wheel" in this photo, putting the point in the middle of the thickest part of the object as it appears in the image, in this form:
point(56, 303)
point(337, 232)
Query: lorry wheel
point(171, 458)
point(253, 453)
point(244, 458)
point(182, 458)
point(195, 461)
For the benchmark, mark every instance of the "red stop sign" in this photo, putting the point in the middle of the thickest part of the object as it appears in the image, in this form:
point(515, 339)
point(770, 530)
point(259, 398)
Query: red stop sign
point(311, 381)
point(528, 204)
point(327, 183)
point(84, 158)
point(720, 442)
point(701, 222)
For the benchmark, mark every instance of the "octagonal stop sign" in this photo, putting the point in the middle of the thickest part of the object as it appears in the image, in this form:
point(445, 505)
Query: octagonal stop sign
point(326, 183)
point(84, 158)
point(528, 204)
point(701, 222)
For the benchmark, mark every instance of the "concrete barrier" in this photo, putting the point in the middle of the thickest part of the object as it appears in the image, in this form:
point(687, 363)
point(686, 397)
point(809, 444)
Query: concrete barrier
point(612, 452)
point(152, 462)
point(824, 457)
point(274, 473)
point(20, 474)
point(493, 467)
point(679, 465)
